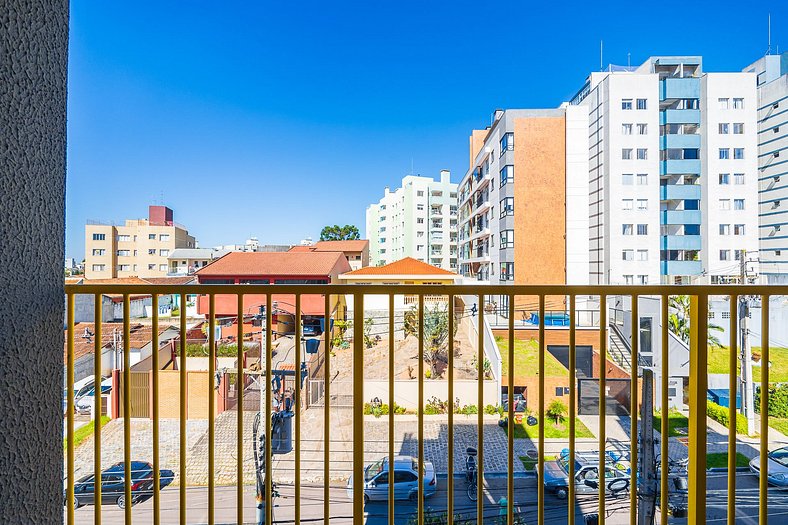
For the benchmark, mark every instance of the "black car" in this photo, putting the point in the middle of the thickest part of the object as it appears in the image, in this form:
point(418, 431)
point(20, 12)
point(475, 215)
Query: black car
point(113, 486)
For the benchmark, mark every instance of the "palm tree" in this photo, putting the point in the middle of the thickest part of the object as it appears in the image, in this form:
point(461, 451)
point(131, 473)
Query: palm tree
point(678, 321)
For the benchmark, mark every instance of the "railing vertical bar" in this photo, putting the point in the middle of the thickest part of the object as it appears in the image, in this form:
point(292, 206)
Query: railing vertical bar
point(155, 408)
point(633, 413)
point(126, 407)
point(391, 409)
point(358, 408)
point(420, 412)
point(267, 391)
point(510, 418)
point(70, 410)
point(327, 334)
point(183, 413)
point(572, 408)
point(240, 383)
point(733, 365)
point(211, 405)
point(98, 319)
point(540, 448)
point(664, 429)
point(698, 379)
point(480, 412)
point(297, 430)
point(602, 399)
point(763, 485)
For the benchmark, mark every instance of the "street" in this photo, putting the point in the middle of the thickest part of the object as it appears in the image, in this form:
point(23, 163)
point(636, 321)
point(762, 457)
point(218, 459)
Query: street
point(377, 512)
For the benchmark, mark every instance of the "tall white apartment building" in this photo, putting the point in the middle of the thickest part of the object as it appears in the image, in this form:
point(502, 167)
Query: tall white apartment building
point(672, 172)
point(417, 220)
point(772, 80)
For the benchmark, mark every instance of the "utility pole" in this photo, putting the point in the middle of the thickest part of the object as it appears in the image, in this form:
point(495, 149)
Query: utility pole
point(648, 500)
point(747, 395)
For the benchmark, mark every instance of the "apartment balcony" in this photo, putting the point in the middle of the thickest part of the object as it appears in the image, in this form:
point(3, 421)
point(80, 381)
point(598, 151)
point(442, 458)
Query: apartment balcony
point(482, 205)
point(679, 88)
point(679, 141)
point(680, 192)
point(681, 267)
point(680, 216)
point(479, 233)
point(679, 116)
point(681, 242)
point(680, 167)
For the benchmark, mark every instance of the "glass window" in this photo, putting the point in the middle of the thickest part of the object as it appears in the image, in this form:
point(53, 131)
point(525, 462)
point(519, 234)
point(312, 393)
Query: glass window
point(723, 128)
point(642, 103)
point(642, 204)
point(642, 229)
point(419, 193)
point(626, 229)
point(124, 238)
point(642, 179)
point(725, 153)
point(626, 179)
point(738, 229)
point(162, 267)
point(626, 204)
point(98, 267)
point(507, 142)
point(642, 154)
point(98, 252)
point(152, 251)
point(738, 153)
point(626, 129)
point(626, 103)
point(738, 103)
point(725, 229)
point(642, 279)
point(507, 271)
point(628, 255)
point(738, 128)
point(725, 178)
point(738, 204)
point(725, 255)
point(164, 237)
point(420, 220)
point(123, 253)
point(507, 175)
point(506, 239)
point(124, 268)
point(507, 206)
point(628, 279)
point(626, 153)
point(151, 236)
point(164, 253)
point(723, 103)
point(642, 129)
point(642, 255)
point(738, 178)
point(419, 207)
point(151, 267)
point(737, 254)
point(98, 236)
point(725, 204)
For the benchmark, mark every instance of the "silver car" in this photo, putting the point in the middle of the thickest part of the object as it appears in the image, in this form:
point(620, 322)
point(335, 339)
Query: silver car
point(777, 464)
point(406, 479)
point(556, 477)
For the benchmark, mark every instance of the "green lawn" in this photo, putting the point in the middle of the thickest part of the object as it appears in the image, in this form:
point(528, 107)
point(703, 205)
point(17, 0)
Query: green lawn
point(779, 424)
point(720, 460)
point(526, 359)
point(675, 420)
point(83, 432)
point(778, 372)
point(551, 431)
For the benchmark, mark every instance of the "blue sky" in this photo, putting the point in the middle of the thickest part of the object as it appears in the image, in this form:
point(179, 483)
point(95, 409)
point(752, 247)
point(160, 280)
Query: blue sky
point(274, 119)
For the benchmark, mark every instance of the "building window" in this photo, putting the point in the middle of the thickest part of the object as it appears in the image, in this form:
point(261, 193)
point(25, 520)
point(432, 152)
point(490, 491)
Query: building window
point(777, 252)
point(628, 255)
point(419, 193)
point(626, 229)
point(737, 254)
point(98, 237)
point(418, 234)
point(626, 179)
point(124, 267)
point(507, 175)
point(419, 207)
point(626, 154)
point(725, 255)
point(642, 204)
point(164, 253)
point(98, 252)
point(124, 238)
point(642, 154)
point(123, 253)
point(151, 251)
point(725, 204)
point(725, 153)
point(628, 279)
point(738, 229)
point(738, 128)
point(507, 271)
point(723, 103)
point(626, 204)
point(151, 267)
point(164, 237)
point(506, 239)
point(642, 179)
point(626, 103)
point(642, 129)
point(725, 178)
point(419, 247)
point(151, 236)
point(642, 103)
point(642, 229)
point(642, 279)
point(738, 103)
point(738, 178)
point(642, 255)
point(725, 229)
point(162, 267)
point(98, 267)
point(738, 204)
point(738, 153)
point(507, 142)
point(420, 220)
point(723, 128)
point(626, 129)
point(507, 206)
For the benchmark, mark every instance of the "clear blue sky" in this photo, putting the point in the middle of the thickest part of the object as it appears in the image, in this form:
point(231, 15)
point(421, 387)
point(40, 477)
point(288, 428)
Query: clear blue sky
point(276, 118)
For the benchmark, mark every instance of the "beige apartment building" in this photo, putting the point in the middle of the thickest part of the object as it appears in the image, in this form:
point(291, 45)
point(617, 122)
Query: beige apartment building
point(139, 248)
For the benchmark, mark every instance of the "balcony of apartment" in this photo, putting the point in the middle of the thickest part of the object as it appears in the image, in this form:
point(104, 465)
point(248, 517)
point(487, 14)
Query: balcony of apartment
point(680, 166)
point(680, 192)
point(679, 88)
point(679, 116)
point(680, 216)
point(679, 141)
point(436, 211)
point(681, 267)
point(680, 242)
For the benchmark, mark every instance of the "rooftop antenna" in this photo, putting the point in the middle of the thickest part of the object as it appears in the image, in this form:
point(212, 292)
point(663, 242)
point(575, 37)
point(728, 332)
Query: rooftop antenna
point(629, 60)
point(769, 35)
point(601, 64)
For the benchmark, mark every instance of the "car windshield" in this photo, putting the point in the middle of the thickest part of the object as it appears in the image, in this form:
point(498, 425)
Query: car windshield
point(780, 456)
point(373, 470)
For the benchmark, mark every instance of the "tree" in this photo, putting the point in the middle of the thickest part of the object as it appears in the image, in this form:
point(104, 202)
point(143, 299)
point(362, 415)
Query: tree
point(678, 320)
point(557, 410)
point(436, 333)
point(348, 232)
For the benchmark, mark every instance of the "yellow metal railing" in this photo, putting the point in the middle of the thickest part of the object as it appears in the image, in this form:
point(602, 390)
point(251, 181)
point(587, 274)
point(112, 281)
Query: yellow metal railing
point(696, 497)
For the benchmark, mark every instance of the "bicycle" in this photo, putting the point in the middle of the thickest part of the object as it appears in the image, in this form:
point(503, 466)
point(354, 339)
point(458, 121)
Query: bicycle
point(471, 473)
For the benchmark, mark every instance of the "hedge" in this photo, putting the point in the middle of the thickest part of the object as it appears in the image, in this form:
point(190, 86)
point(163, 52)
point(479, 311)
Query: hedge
point(720, 415)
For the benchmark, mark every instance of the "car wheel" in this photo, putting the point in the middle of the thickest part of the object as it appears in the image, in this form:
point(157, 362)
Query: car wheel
point(366, 499)
point(122, 501)
point(413, 497)
point(561, 493)
point(77, 504)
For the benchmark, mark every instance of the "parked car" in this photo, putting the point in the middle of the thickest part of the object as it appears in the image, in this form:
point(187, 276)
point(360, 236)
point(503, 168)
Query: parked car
point(81, 388)
point(556, 477)
point(519, 402)
point(406, 479)
point(113, 486)
point(777, 467)
point(84, 404)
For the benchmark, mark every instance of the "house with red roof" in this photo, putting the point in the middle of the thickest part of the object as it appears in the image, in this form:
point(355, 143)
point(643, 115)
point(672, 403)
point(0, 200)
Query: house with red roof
point(356, 251)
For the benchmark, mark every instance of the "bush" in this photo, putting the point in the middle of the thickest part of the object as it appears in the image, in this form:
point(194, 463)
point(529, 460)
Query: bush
point(382, 410)
point(201, 350)
point(436, 406)
point(778, 400)
point(720, 415)
point(493, 409)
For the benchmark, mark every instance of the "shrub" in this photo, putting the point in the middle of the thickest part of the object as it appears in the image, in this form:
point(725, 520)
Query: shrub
point(436, 406)
point(778, 400)
point(720, 415)
point(493, 409)
point(382, 410)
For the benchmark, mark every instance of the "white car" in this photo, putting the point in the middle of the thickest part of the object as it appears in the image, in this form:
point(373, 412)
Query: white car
point(777, 467)
point(84, 404)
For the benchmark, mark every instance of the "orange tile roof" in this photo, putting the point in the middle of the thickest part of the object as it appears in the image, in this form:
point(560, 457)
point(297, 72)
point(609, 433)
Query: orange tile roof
point(227, 305)
point(342, 246)
point(406, 266)
point(186, 279)
point(117, 280)
point(277, 263)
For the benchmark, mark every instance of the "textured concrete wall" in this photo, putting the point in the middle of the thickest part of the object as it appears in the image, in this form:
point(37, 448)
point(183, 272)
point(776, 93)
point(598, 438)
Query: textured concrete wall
point(33, 56)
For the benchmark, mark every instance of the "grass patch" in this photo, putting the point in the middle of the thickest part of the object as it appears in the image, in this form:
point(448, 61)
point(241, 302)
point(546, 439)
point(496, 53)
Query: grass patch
point(526, 359)
point(675, 420)
point(778, 372)
point(720, 460)
point(551, 430)
point(778, 423)
point(82, 433)
point(529, 463)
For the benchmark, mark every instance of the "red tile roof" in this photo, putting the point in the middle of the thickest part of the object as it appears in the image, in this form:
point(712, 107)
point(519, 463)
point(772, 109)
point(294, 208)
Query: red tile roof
point(406, 266)
point(277, 263)
point(227, 305)
point(186, 279)
point(342, 246)
point(140, 335)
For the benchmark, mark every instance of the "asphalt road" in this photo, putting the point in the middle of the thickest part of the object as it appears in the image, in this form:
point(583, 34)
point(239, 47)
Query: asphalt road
point(376, 513)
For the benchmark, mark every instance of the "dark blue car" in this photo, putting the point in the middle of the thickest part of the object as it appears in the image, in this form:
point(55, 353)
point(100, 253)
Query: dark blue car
point(113, 485)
